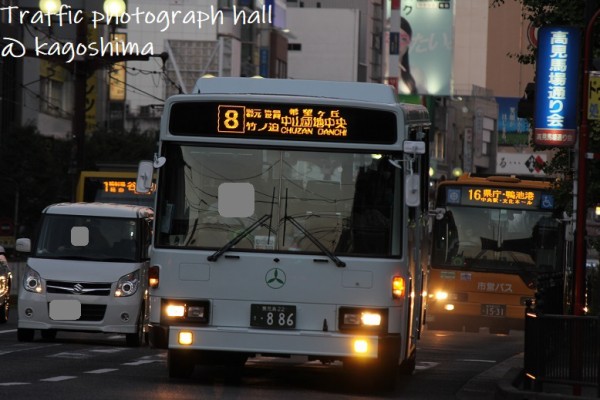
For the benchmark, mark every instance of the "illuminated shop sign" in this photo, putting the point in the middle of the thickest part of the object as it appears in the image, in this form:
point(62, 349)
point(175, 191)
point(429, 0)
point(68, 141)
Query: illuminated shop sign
point(283, 121)
point(500, 197)
point(555, 122)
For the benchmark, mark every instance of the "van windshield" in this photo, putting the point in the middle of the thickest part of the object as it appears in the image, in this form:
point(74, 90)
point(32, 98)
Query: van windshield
point(87, 238)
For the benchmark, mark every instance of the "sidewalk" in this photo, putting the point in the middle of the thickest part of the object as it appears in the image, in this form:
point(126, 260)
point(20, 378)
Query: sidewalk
point(505, 381)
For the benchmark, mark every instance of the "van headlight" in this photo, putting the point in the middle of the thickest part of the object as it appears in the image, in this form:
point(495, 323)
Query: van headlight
point(128, 284)
point(32, 282)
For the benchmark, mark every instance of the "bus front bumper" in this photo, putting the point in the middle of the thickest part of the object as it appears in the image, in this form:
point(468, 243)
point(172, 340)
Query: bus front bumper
point(261, 341)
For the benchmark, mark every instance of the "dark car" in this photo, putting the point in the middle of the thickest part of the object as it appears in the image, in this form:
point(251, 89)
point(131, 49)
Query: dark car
point(5, 281)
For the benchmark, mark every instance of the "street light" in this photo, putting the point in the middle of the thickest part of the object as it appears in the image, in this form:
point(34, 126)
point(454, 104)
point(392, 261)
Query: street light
point(114, 8)
point(82, 68)
point(50, 6)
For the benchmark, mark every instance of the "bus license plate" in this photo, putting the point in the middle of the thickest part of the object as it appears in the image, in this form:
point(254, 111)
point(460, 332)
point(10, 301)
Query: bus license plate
point(273, 316)
point(493, 310)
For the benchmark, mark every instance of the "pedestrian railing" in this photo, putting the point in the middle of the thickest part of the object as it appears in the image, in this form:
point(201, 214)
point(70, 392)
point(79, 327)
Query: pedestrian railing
point(562, 349)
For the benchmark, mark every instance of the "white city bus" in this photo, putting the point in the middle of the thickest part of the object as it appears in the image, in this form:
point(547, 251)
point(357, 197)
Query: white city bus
point(289, 218)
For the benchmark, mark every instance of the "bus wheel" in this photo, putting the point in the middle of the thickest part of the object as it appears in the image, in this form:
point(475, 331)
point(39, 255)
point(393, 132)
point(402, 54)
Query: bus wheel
point(180, 363)
point(408, 366)
point(25, 335)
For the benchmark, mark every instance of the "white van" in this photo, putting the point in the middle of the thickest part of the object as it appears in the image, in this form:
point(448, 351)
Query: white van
point(87, 271)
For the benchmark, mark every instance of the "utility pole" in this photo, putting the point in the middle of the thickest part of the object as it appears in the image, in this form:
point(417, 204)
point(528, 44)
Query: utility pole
point(580, 242)
point(81, 68)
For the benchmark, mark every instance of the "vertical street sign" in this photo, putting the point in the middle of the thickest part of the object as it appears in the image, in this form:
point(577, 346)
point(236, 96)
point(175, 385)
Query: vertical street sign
point(594, 96)
point(557, 72)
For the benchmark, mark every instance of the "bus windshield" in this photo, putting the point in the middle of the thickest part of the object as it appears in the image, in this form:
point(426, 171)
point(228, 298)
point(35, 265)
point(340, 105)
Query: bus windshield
point(495, 239)
point(292, 200)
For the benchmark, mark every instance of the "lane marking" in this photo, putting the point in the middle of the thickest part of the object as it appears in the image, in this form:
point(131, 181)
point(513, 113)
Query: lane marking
point(141, 362)
point(101, 371)
point(66, 354)
point(108, 351)
point(8, 331)
point(27, 348)
point(58, 378)
point(423, 365)
point(14, 383)
point(477, 360)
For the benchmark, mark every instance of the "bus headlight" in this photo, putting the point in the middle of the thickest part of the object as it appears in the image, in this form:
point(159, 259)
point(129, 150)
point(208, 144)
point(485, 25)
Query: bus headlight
point(175, 310)
point(441, 295)
point(32, 282)
point(357, 318)
point(192, 311)
point(128, 284)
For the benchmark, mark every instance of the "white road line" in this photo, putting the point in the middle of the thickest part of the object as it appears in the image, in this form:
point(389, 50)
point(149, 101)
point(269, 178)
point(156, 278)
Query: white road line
point(14, 383)
point(141, 362)
point(28, 348)
point(58, 378)
point(8, 331)
point(108, 351)
point(101, 371)
point(71, 355)
point(476, 360)
point(423, 365)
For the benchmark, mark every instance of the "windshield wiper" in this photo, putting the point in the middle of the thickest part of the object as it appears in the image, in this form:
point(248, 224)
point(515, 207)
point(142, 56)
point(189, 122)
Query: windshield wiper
point(316, 241)
point(215, 256)
point(309, 235)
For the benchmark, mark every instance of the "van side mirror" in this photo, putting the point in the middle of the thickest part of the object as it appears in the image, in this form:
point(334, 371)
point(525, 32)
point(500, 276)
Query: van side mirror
point(143, 184)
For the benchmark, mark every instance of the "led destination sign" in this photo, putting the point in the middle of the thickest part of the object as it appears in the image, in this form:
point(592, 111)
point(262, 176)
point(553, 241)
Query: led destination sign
point(500, 197)
point(283, 121)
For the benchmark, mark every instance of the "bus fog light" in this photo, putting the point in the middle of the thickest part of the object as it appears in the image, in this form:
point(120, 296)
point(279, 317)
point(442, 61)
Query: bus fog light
point(185, 338)
point(361, 346)
point(449, 307)
point(28, 312)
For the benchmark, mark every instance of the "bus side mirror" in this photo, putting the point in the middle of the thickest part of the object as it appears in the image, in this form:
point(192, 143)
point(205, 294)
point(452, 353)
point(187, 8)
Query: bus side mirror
point(412, 192)
point(143, 184)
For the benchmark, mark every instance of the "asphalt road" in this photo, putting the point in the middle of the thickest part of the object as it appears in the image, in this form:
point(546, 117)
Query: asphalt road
point(450, 365)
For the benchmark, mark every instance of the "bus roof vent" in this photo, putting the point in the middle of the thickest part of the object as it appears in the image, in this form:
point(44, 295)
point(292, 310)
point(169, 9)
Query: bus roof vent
point(510, 179)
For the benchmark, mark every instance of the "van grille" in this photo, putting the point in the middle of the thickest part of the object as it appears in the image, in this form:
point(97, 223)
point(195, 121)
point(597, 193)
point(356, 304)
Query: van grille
point(78, 288)
point(92, 312)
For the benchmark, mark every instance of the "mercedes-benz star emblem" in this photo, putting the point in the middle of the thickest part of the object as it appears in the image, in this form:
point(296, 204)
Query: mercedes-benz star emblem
point(275, 278)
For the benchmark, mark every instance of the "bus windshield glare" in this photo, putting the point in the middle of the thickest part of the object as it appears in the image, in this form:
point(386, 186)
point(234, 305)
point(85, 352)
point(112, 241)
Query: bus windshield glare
point(292, 201)
point(495, 239)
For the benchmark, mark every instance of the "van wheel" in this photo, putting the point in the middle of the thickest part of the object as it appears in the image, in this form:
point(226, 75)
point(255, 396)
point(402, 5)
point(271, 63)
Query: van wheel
point(180, 363)
point(25, 335)
point(136, 339)
point(48, 334)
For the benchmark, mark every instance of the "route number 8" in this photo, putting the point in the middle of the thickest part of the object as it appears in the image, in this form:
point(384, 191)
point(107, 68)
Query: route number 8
point(231, 119)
